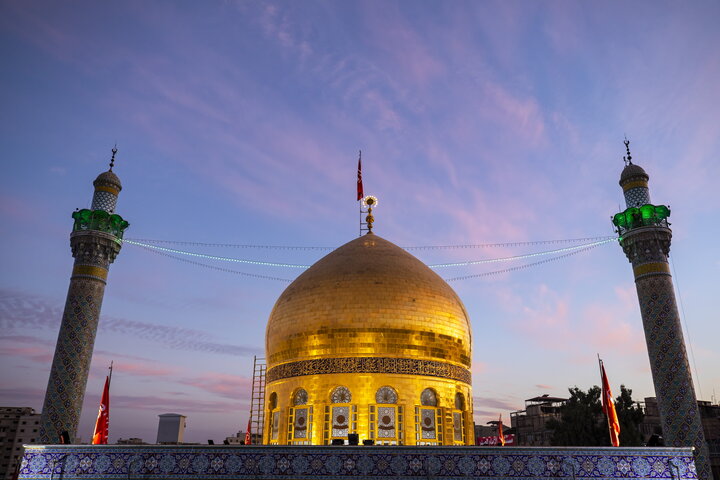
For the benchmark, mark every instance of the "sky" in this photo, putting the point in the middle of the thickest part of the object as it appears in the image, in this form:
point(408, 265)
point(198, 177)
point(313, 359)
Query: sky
point(239, 123)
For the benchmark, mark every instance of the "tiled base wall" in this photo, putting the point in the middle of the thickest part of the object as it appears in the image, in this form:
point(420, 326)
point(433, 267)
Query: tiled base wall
point(340, 462)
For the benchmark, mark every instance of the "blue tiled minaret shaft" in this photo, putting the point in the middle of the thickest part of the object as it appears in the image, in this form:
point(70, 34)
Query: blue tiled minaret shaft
point(95, 242)
point(645, 238)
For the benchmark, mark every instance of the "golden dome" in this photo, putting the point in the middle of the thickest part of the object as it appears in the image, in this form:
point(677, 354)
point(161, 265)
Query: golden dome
point(369, 298)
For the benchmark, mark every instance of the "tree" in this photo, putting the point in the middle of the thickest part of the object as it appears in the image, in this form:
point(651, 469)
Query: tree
point(630, 416)
point(582, 422)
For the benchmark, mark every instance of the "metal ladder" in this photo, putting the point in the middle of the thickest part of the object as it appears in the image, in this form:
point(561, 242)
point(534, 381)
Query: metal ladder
point(257, 401)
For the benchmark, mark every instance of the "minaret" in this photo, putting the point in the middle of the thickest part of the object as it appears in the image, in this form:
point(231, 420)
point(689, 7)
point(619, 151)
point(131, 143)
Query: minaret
point(645, 238)
point(95, 241)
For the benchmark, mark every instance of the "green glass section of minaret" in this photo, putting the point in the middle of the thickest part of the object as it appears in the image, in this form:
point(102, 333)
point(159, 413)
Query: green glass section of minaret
point(95, 242)
point(645, 237)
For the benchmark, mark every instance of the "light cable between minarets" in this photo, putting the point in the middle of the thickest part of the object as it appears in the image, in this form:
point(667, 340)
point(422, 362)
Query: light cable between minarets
point(687, 330)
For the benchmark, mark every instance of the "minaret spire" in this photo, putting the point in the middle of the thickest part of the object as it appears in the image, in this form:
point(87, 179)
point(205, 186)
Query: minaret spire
point(628, 158)
point(645, 237)
point(112, 160)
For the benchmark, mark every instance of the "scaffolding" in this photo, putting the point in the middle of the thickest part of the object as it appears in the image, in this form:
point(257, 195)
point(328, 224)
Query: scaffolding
point(257, 401)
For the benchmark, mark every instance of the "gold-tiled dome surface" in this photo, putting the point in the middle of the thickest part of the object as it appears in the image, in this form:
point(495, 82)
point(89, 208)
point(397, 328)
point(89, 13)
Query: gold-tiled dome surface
point(368, 298)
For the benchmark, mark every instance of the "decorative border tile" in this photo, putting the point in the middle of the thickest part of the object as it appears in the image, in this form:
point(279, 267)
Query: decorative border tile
point(361, 463)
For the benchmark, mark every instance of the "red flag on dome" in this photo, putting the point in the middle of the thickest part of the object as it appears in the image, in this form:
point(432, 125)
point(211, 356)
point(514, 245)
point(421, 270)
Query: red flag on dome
point(360, 193)
point(248, 437)
point(501, 437)
point(608, 406)
point(102, 424)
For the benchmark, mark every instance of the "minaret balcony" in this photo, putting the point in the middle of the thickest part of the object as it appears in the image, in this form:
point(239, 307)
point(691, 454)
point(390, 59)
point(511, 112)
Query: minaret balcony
point(99, 220)
point(645, 216)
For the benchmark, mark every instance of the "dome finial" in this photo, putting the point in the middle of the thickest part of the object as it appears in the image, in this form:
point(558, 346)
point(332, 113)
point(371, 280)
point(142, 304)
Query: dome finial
point(112, 160)
point(628, 159)
point(369, 202)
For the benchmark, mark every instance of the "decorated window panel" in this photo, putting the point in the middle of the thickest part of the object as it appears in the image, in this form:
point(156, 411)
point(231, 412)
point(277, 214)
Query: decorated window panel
point(428, 425)
point(458, 430)
point(301, 426)
point(340, 421)
point(387, 428)
point(275, 432)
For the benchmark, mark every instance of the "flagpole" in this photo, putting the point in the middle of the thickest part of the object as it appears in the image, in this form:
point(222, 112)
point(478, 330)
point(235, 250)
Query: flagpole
point(110, 376)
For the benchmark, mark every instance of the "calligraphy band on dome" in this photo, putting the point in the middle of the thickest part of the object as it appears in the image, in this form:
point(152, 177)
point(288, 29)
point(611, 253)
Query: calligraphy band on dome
point(409, 366)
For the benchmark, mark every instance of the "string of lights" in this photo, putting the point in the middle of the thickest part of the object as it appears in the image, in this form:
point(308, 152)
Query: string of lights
point(440, 265)
point(422, 247)
point(519, 257)
point(453, 279)
point(520, 267)
point(215, 267)
point(213, 257)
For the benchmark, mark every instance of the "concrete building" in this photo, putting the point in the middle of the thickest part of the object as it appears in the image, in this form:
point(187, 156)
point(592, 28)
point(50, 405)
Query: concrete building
point(530, 424)
point(171, 428)
point(18, 426)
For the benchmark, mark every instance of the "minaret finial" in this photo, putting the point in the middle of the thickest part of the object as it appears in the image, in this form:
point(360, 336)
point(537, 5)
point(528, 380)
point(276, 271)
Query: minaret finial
point(628, 159)
point(369, 202)
point(112, 160)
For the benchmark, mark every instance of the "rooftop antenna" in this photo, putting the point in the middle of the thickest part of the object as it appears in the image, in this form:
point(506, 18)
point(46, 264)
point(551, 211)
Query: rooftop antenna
point(112, 160)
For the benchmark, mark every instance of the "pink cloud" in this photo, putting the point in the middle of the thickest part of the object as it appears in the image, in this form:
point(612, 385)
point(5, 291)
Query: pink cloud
point(230, 386)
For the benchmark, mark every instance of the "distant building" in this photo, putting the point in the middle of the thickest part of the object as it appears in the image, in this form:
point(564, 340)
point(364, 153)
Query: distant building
point(530, 424)
point(239, 439)
point(18, 426)
point(130, 441)
point(171, 428)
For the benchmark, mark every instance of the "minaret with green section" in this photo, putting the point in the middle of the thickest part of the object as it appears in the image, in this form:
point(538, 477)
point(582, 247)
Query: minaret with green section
point(95, 241)
point(645, 237)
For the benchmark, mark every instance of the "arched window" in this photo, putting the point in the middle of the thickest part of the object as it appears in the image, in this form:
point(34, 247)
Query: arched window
point(340, 395)
point(428, 398)
point(386, 395)
point(459, 419)
point(300, 397)
point(272, 403)
point(274, 418)
point(428, 419)
point(459, 401)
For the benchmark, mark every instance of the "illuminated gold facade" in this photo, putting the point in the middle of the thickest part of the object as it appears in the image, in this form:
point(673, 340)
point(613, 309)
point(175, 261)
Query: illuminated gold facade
point(368, 341)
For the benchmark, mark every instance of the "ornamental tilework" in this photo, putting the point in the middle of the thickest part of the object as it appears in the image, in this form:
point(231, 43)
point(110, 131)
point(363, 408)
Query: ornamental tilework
point(404, 463)
point(300, 426)
point(637, 197)
point(410, 366)
point(670, 369)
point(386, 423)
point(427, 424)
point(104, 201)
point(340, 421)
point(71, 363)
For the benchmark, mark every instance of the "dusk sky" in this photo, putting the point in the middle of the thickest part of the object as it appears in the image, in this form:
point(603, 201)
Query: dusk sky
point(240, 123)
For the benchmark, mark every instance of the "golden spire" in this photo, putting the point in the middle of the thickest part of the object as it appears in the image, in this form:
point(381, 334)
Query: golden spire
point(369, 202)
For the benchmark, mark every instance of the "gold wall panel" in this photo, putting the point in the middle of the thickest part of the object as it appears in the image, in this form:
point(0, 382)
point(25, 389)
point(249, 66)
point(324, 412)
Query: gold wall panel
point(363, 388)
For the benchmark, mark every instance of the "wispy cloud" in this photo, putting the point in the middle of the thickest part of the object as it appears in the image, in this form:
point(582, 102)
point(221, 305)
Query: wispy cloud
point(21, 312)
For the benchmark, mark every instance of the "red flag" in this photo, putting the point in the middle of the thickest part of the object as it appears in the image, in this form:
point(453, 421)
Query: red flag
point(248, 439)
point(360, 193)
point(608, 406)
point(501, 437)
point(102, 424)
